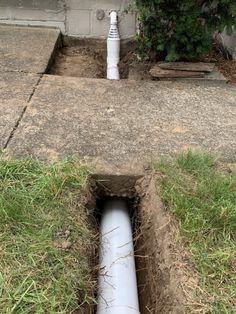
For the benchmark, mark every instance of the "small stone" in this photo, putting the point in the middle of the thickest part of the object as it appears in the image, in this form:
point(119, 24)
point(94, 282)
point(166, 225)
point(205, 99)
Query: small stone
point(67, 233)
point(232, 167)
point(65, 245)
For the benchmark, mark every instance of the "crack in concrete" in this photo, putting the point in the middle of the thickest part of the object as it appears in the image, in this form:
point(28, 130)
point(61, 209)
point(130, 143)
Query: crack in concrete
point(24, 72)
point(22, 113)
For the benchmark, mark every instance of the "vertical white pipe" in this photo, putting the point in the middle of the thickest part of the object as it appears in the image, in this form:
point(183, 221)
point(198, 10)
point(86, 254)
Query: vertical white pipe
point(113, 49)
point(118, 292)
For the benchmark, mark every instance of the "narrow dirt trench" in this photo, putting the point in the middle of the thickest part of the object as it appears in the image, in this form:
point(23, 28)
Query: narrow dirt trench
point(162, 274)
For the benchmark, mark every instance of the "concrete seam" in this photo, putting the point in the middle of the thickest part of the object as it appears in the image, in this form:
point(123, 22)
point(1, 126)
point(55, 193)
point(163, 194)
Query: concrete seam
point(66, 19)
point(22, 71)
point(22, 113)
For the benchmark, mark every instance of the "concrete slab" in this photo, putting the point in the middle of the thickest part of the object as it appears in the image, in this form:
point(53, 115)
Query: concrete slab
point(125, 121)
point(15, 91)
point(26, 49)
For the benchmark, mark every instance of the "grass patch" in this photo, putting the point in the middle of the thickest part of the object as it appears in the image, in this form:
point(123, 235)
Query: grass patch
point(46, 242)
point(203, 199)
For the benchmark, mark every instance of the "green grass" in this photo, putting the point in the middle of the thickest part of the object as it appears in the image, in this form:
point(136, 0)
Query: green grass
point(203, 199)
point(38, 203)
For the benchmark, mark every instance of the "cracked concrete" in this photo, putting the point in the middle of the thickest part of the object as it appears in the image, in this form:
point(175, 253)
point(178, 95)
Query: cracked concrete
point(117, 123)
point(15, 91)
point(24, 52)
point(125, 121)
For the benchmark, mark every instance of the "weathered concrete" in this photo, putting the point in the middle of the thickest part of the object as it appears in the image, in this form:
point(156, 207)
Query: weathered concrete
point(15, 91)
point(73, 17)
point(26, 49)
point(229, 42)
point(126, 120)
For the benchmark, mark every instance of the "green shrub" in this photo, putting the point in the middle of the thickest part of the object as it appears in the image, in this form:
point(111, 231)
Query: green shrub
point(182, 29)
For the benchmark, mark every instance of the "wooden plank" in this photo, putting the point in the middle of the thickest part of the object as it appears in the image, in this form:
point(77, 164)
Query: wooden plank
point(157, 72)
point(187, 66)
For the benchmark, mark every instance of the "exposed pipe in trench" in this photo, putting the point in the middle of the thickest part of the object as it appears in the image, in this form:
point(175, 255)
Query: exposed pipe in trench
point(118, 293)
point(113, 48)
point(117, 290)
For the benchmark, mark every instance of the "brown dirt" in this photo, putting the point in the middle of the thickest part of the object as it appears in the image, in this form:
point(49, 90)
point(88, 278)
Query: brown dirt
point(90, 61)
point(166, 281)
point(79, 62)
point(226, 66)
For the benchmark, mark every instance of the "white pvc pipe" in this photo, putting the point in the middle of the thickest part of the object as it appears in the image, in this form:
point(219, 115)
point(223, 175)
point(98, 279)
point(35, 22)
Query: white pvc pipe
point(118, 292)
point(113, 49)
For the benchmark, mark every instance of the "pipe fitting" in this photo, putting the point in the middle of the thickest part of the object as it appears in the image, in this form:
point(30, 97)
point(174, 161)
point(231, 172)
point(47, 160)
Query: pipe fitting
point(113, 48)
point(114, 18)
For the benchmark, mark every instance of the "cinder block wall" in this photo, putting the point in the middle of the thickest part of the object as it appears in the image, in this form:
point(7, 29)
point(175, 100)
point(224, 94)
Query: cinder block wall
point(229, 42)
point(80, 18)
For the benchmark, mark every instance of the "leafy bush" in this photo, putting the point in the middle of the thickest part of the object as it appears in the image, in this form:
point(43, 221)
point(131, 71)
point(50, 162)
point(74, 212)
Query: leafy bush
point(182, 29)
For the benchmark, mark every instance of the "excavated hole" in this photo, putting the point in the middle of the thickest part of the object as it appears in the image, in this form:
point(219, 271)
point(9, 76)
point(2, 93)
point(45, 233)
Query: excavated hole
point(87, 58)
point(159, 282)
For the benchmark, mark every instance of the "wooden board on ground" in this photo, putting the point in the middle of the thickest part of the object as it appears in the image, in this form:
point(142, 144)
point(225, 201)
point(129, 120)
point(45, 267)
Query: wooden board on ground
point(157, 72)
point(187, 66)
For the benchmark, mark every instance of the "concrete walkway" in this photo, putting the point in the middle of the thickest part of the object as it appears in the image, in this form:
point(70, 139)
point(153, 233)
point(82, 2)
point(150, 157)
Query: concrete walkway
point(118, 122)
point(26, 49)
point(24, 55)
point(15, 92)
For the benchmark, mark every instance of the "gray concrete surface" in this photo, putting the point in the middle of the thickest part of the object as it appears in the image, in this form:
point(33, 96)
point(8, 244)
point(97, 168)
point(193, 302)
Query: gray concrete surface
point(125, 121)
point(15, 92)
point(26, 49)
point(72, 17)
point(229, 42)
